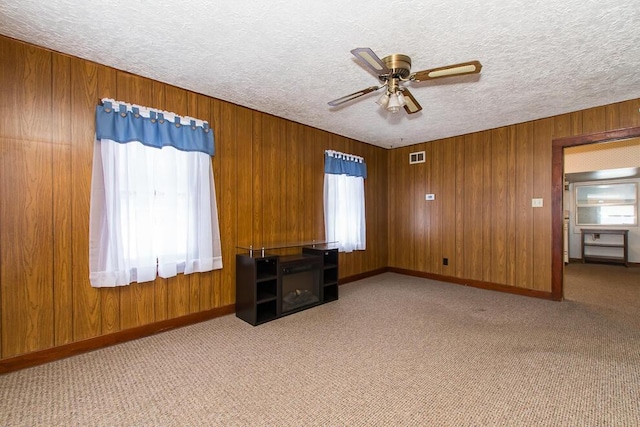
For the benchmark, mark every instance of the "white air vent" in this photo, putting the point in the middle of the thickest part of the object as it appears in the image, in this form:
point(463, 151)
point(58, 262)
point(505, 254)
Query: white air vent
point(417, 157)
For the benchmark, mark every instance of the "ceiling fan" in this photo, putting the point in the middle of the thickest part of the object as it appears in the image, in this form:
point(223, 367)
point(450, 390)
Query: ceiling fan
point(392, 71)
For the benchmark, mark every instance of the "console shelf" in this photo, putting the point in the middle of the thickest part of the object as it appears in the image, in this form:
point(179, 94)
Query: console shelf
point(270, 286)
point(330, 271)
point(613, 251)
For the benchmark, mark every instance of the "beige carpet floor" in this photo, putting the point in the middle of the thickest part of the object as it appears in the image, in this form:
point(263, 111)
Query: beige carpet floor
point(393, 351)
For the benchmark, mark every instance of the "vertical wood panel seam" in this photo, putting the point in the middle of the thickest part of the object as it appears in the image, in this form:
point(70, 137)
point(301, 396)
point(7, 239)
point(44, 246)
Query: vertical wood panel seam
point(53, 207)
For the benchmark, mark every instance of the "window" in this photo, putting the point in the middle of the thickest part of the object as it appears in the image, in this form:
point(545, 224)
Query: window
point(344, 200)
point(607, 204)
point(153, 210)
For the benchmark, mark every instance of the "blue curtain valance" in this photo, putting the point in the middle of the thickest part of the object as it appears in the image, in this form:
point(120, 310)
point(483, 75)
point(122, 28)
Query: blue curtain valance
point(337, 163)
point(124, 123)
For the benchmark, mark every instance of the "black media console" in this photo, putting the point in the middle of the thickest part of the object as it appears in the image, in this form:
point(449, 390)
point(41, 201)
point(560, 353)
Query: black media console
point(271, 286)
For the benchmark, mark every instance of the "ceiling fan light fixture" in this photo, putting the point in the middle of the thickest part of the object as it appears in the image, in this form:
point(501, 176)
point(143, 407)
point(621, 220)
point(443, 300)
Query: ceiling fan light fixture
point(401, 99)
point(383, 100)
point(393, 106)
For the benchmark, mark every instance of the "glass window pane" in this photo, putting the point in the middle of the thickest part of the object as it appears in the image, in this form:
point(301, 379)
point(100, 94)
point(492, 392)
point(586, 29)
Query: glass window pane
point(606, 215)
point(606, 193)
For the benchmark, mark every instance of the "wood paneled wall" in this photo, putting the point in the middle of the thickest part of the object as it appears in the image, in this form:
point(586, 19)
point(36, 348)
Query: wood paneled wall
point(481, 218)
point(269, 181)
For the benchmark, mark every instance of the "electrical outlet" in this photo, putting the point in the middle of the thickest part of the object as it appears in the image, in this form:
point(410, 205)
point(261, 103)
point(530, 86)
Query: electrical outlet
point(429, 196)
point(536, 203)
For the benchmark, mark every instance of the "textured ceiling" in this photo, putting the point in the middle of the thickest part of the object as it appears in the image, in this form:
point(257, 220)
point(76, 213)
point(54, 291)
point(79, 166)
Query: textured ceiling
point(289, 58)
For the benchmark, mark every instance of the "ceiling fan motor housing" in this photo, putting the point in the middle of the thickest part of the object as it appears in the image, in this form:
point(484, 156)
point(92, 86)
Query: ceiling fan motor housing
point(400, 66)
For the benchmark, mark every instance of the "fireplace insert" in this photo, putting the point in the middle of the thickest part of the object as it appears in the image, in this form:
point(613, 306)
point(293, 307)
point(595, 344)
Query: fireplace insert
point(299, 279)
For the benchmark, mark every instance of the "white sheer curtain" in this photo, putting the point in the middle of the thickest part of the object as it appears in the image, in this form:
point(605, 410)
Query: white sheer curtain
point(344, 207)
point(153, 210)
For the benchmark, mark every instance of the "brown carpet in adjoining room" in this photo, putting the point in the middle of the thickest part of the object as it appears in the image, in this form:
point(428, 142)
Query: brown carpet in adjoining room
point(393, 351)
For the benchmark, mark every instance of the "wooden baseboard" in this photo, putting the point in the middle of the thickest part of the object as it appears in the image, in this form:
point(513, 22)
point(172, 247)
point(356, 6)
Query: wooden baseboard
point(362, 275)
point(56, 353)
point(478, 284)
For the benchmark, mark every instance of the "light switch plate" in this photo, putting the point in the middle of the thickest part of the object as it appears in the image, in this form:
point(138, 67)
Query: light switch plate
point(536, 203)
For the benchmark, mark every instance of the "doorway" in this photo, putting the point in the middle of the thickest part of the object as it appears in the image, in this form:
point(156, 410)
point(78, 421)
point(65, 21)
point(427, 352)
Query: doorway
point(557, 196)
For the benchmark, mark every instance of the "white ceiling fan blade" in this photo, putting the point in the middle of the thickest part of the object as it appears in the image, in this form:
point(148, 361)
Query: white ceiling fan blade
point(471, 67)
point(371, 60)
point(411, 106)
point(353, 95)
